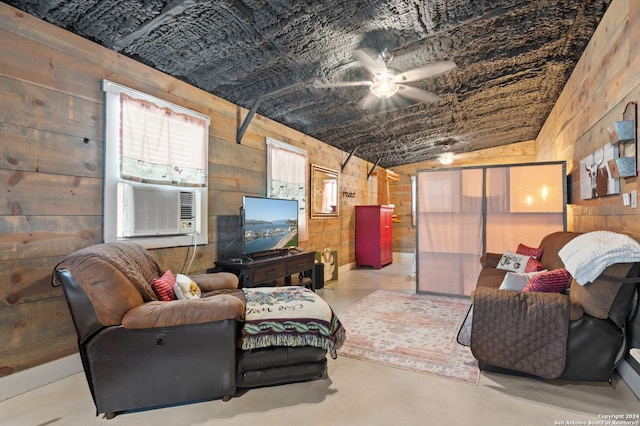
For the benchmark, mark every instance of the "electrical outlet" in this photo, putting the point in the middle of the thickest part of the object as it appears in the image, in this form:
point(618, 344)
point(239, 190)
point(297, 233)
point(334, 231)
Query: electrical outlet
point(634, 199)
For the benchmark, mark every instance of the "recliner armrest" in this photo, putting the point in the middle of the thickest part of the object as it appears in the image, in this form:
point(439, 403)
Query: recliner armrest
point(182, 312)
point(216, 281)
point(490, 260)
point(520, 331)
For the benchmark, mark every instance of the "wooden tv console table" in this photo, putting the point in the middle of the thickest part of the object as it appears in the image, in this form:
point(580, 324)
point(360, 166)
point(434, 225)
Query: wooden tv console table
point(272, 270)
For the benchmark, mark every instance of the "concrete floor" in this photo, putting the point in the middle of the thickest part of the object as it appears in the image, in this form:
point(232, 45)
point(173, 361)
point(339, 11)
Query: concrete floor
point(356, 392)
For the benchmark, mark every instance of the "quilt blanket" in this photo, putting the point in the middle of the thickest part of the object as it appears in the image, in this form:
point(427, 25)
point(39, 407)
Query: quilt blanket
point(289, 316)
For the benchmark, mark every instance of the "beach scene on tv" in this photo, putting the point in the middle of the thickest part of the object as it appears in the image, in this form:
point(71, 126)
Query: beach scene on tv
point(270, 224)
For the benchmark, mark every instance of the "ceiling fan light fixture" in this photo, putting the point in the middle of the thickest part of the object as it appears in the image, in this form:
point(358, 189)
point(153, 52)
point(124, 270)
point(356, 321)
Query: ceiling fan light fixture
point(446, 158)
point(383, 86)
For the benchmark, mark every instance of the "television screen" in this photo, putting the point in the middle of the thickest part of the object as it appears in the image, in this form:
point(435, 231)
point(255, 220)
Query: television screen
point(269, 224)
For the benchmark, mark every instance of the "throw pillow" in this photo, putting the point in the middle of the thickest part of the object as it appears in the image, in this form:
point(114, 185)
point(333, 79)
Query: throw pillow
point(555, 281)
point(534, 265)
point(536, 253)
point(513, 262)
point(163, 286)
point(186, 289)
point(515, 281)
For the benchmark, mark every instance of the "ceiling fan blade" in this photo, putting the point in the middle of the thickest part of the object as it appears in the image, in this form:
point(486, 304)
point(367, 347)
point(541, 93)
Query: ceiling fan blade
point(322, 85)
point(424, 71)
point(370, 101)
point(368, 58)
point(417, 94)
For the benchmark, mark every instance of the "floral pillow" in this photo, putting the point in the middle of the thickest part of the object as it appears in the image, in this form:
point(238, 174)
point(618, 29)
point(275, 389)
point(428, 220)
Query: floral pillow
point(513, 262)
point(186, 289)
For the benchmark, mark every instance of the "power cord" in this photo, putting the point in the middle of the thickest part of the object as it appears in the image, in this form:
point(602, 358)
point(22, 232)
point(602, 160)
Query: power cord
point(195, 247)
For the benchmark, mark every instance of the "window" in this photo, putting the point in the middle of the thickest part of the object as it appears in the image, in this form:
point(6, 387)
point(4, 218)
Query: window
point(287, 177)
point(161, 146)
point(156, 170)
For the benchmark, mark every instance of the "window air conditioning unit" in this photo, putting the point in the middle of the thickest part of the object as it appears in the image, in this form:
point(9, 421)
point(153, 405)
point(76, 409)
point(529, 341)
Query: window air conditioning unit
point(154, 210)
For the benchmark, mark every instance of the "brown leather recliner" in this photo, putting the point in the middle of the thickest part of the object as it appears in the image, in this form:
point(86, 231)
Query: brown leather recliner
point(138, 352)
point(577, 336)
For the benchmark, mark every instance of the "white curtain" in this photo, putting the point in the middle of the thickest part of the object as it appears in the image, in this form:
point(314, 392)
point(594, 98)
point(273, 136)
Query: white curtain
point(449, 230)
point(161, 146)
point(287, 168)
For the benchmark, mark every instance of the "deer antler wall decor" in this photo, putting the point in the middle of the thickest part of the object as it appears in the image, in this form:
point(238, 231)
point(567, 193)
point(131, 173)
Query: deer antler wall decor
point(592, 170)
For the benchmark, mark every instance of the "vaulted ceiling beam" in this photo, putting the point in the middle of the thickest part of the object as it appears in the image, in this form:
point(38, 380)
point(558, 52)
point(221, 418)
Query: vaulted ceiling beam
point(173, 9)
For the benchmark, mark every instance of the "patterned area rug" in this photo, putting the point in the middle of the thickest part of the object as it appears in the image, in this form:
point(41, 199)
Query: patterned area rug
point(415, 332)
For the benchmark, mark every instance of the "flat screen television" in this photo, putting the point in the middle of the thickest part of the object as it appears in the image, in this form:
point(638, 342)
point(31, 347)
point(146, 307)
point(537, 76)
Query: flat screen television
point(269, 224)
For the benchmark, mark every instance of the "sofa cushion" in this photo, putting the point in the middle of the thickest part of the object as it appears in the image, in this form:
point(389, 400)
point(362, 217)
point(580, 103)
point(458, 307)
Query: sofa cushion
point(490, 277)
point(535, 253)
point(181, 312)
point(163, 286)
point(598, 296)
point(555, 281)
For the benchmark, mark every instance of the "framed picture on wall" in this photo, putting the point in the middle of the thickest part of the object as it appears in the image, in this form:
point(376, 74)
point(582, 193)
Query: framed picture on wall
point(596, 178)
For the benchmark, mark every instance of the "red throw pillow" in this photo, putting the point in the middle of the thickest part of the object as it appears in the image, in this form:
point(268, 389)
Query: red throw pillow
point(534, 266)
point(536, 253)
point(555, 281)
point(163, 286)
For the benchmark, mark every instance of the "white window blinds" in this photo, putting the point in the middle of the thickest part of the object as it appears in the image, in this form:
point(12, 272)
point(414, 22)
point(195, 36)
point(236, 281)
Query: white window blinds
point(161, 146)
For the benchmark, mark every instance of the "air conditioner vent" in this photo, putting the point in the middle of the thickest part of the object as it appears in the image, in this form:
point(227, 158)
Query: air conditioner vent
point(187, 205)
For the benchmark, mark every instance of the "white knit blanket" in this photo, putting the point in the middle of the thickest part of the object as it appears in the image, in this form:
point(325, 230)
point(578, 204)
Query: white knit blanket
point(587, 255)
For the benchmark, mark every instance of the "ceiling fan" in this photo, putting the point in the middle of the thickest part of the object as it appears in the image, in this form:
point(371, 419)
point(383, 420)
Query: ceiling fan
point(387, 81)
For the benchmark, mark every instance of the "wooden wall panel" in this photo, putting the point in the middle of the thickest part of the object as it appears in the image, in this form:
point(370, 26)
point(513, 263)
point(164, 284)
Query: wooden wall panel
point(37, 150)
point(40, 194)
point(31, 106)
point(26, 237)
point(51, 167)
point(595, 96)
point(27, 356)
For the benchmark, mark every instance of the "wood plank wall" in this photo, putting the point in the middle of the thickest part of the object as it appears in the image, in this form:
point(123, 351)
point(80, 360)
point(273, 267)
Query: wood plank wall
point(605, 79)
point(51, 163)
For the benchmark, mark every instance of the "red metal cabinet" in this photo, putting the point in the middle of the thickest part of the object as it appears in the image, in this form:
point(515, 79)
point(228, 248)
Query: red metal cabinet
point(374, 236)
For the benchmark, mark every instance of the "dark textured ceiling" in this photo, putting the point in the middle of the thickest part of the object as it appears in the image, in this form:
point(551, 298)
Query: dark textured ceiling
point(513, 59)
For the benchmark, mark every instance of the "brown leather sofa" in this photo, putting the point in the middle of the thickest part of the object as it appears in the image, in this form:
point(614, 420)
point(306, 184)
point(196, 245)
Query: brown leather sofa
point(581, 335)
point(138, 352)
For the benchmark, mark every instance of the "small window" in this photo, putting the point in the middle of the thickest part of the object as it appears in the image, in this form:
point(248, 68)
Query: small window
point(287, 168)
point(156, 170)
